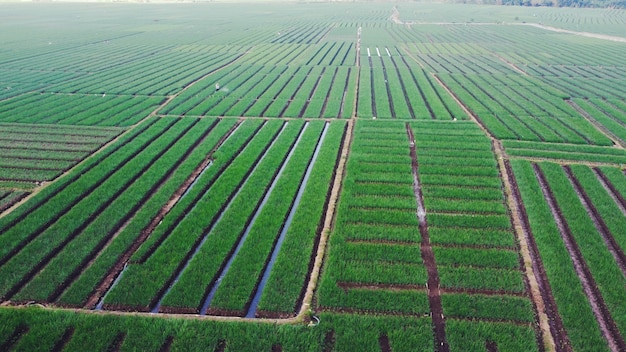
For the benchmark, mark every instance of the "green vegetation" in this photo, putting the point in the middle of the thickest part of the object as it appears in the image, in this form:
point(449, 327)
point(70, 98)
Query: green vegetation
point(410, 163)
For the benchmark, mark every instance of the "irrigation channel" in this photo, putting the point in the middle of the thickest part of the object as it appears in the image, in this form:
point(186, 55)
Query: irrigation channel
point(268, 269)
point(196, 249)
point(207, 301)
point(428, 256)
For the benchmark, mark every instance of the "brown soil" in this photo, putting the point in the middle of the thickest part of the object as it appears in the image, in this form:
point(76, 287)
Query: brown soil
point(67, 336)
point(615, 139)
point(383, 342)
point(167, 344)
point(428, 256)
point(491, 346)
point(329, 223)
point(613, 192)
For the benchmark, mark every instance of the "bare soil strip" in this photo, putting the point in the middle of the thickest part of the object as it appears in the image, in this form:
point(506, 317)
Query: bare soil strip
point(598, 306)
point(428, 256)
point(14, 338)
point(167, 344)
point(599, 224)
point(491, 346)
point(582, 34)
point(116, 344)
point(611, 190)
point(383, 342)
point(329, 341)
point(615, 139)
point(59, 346)
point(545, 303)
point(513, 66)
point(389, 98)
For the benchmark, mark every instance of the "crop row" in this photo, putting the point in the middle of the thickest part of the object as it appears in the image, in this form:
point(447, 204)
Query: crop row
point(194, 232)
point(504, 113)
point(524, 149)
point(375, 262)
point(268, 91)
point(576, 215)
point(147, 77)
point(46, 250)
point(333, 54)
point(91, 110)
point(31, 154)
point(395, 89)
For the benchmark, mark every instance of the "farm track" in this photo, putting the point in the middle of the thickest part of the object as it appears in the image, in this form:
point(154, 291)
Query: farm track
point(434, 293)
point(600, 310)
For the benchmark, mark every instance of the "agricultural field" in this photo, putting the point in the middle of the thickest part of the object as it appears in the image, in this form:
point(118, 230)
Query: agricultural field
point(295, 176)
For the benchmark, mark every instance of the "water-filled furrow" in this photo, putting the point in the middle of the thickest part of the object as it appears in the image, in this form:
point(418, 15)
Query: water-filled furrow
point(268, 193)
point(266, 273)
point(157, 306)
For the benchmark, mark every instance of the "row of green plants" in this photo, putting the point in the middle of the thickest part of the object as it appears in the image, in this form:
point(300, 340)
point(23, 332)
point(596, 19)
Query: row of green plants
point(154, 264)
point(78, 109)
point(79, 291)
point(85, 222)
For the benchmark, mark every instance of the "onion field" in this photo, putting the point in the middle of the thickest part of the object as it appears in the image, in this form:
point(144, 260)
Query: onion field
point(312, 176)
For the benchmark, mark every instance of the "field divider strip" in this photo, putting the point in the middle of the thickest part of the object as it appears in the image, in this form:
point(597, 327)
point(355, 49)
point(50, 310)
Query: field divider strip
point(600, 127)
point(598, 306)
point(428, 256)
point(209, 297)
point(611, 190)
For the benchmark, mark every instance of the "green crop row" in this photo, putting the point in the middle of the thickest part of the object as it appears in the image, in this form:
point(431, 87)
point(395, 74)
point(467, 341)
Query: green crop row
point(237, 286)
point(50, 204)
point(56, 236)
point(605, 270)
point(78, 291)
point(287, 279)
point(103, 227)
point(186, 232)
point(572, 304)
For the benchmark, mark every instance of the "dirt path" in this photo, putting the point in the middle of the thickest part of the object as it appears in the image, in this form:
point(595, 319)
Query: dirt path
point(428, 256)
point(582, 34)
